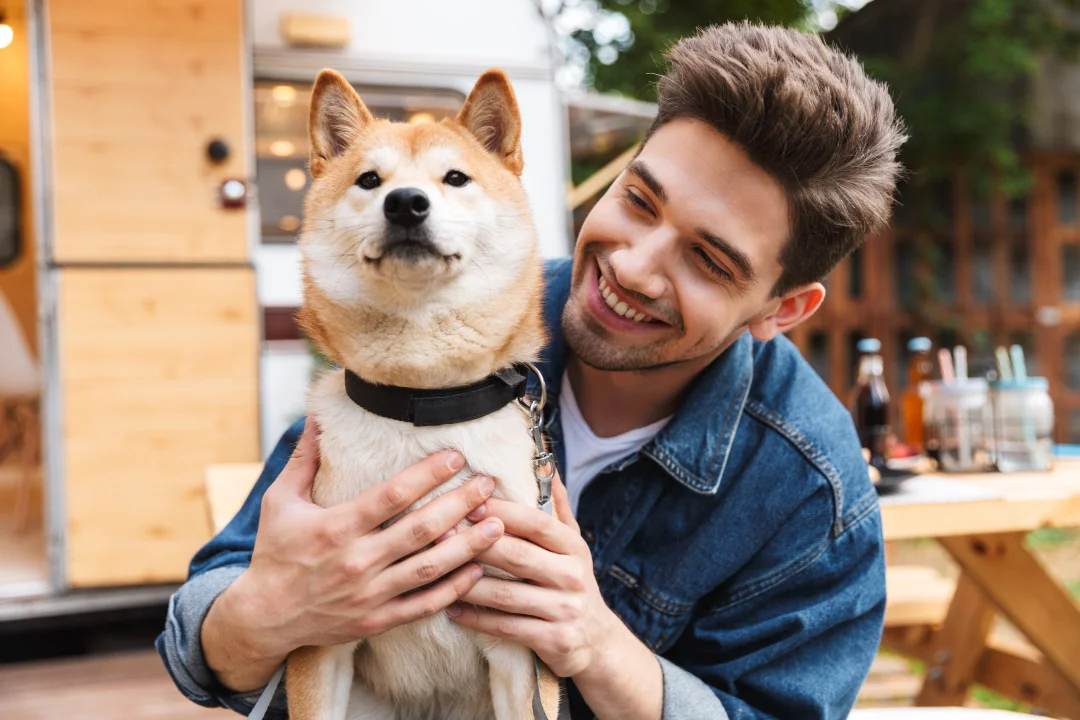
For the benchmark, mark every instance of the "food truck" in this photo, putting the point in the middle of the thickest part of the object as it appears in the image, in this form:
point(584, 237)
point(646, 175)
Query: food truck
point(153, 169)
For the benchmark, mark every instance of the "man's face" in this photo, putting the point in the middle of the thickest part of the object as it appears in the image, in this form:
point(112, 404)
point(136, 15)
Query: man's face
point(688, 239)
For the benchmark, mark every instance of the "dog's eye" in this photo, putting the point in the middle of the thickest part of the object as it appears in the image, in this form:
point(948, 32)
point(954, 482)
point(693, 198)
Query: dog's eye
point(369, 180)
point(456, 178)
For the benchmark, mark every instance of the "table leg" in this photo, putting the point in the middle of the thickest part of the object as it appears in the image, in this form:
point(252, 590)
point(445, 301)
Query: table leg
point(1020, 588)
point(957, 647)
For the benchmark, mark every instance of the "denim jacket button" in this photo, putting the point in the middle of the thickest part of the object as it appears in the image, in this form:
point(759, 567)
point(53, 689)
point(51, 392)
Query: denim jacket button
point(588, 535)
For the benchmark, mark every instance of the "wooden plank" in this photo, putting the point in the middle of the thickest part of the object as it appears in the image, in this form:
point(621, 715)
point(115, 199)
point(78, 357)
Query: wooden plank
point(103, 687)
point(1014, 581)
point(958, 647)
point(916, 596)
point(1025, 501)
point(227, 487)
point(159, 372)
point(138, 91)
point(599, 180)
point(1015, 670)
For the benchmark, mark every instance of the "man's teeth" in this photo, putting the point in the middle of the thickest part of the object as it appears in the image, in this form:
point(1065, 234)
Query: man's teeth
point(619, 305)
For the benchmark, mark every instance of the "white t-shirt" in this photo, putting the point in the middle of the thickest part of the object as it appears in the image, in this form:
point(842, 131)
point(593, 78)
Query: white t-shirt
point(587, 454)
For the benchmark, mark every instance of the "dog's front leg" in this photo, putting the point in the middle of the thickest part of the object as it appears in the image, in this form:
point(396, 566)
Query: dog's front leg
point(512, 672)
point(318, 680)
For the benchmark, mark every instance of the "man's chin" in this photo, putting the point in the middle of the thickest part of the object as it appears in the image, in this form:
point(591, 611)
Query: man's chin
point(592, 347)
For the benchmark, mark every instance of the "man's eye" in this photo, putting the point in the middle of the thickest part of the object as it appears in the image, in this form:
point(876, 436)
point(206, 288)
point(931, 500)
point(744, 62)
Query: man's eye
point(456, 178)
point(632, 197)
point(711, 265)
point(369, 180)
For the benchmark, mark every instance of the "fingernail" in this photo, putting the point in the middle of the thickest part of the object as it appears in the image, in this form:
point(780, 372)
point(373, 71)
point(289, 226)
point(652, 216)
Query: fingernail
point(487, 485)
point(492, 529)
point(455, 461)
point(478, 513)
point(477, 572)
point(453, 611)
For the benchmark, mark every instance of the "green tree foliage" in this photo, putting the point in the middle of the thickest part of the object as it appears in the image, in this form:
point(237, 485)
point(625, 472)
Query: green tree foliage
point(635, 61)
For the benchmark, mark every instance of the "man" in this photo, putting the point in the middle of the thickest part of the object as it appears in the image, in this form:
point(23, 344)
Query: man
point(718, 551)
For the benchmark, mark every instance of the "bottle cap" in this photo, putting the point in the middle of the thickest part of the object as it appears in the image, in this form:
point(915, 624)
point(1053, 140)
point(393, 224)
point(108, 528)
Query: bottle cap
point(869, 345)
point(919, 344)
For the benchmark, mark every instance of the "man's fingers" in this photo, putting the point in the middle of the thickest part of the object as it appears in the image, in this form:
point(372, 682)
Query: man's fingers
point(427, 524)
point(519, 598)
point(528, 631)
point(524, 559)
point(562, 504)
point(375, 506)
point(533, 524)
point(429, 601)
point(431, 564)
point(299, 472)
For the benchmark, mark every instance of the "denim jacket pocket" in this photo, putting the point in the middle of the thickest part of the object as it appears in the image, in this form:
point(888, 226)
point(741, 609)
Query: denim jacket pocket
point(656, 618)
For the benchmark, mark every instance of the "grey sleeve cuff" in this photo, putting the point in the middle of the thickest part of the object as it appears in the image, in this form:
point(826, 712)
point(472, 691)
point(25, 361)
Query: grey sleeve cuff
point(686, 697)
point(180, 646)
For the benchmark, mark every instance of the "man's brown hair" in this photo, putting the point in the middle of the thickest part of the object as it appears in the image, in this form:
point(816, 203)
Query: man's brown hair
point(809, 116)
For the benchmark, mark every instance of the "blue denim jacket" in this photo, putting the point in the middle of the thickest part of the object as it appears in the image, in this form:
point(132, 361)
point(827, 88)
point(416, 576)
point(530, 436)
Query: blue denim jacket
point(742, 545)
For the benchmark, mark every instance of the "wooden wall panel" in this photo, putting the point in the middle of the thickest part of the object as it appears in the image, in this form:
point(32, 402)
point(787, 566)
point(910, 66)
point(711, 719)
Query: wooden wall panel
point(139, 90)
point(159, 376)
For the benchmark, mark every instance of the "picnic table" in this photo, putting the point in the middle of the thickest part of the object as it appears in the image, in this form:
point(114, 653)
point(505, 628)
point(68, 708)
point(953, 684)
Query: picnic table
point(982, 520)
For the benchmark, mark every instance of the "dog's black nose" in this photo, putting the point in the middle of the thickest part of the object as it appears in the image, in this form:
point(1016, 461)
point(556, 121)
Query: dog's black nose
point(406, 207)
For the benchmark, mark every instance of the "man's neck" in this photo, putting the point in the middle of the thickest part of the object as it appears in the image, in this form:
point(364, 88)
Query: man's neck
point(612, 402)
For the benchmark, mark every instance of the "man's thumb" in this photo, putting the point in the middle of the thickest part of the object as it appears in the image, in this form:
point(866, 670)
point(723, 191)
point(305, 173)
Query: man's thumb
point(299, 472)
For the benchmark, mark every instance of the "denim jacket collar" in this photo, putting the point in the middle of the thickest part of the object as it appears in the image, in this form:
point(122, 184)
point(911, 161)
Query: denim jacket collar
point(694, 447)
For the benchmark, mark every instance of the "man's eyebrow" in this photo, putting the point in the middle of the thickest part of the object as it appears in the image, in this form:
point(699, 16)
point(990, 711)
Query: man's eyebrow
point(737, 257)
point(640, 169)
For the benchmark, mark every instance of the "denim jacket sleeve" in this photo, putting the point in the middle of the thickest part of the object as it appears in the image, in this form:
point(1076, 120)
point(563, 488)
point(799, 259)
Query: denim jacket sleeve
point(215, 566)
point(795, 646)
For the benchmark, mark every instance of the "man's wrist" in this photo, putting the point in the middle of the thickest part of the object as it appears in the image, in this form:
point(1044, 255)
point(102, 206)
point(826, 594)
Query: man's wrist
point(238, 652)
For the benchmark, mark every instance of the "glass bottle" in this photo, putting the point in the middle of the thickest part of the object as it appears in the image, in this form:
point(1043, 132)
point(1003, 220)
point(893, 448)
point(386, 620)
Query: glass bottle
point(919, 373)
point(870, 407)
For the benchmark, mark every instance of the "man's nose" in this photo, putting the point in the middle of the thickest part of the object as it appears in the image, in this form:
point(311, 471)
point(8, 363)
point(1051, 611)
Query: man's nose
point(641, 265)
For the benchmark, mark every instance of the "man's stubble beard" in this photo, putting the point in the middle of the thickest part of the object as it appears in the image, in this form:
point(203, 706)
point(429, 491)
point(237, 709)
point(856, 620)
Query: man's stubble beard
point(592, 350)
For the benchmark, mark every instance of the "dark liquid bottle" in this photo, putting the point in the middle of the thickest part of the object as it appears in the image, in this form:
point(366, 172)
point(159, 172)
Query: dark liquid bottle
point(871, 404)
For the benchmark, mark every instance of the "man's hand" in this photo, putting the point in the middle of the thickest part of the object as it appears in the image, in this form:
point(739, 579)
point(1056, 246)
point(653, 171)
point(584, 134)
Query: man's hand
point(560, 614)
point(323, 576)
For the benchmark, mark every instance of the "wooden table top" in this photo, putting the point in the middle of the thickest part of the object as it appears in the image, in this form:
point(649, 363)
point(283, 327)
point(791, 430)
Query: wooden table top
point(941, 505)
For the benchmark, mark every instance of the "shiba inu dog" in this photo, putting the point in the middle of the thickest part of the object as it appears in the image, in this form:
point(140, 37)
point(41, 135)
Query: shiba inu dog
point(421, 270)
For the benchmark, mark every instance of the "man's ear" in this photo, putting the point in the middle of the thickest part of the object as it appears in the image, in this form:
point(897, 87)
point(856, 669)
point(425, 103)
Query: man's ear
point(787, 311)
point(337, 116)
point(491, 114)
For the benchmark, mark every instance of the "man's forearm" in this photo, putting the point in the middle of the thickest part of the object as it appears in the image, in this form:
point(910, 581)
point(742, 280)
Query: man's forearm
point(231, 646)
point(626, 681)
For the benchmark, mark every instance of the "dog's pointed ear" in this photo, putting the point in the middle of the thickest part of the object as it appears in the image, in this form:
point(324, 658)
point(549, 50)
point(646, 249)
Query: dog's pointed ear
point(491, 114)
point(337, 117)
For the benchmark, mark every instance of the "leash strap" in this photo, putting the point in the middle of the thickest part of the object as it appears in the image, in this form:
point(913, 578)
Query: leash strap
point(259, 711)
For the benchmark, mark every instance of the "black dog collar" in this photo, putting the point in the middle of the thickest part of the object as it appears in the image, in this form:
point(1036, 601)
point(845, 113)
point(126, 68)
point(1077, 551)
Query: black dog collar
point(439, 407)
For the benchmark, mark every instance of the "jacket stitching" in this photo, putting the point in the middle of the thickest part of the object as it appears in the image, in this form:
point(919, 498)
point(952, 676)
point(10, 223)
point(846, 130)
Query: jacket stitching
point(757, 587)
point(810, 452)
point(657, 602)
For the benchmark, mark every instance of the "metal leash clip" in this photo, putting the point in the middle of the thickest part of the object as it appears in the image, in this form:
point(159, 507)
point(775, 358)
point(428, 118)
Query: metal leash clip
point(543, 461)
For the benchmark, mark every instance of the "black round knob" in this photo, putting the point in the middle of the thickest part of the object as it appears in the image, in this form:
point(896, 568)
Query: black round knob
point(217, 151)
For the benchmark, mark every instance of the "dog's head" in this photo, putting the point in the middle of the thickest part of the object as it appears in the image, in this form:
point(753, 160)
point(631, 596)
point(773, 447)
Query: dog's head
point(400, 214)
point(415, 223)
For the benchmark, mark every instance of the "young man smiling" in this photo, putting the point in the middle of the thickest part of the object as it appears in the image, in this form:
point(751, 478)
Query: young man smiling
point(719, 552)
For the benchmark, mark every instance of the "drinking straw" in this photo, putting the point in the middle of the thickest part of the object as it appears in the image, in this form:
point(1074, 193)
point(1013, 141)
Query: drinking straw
point(961, 362)
point(1004, 367)
point(945, 361)
point(1019, 367)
